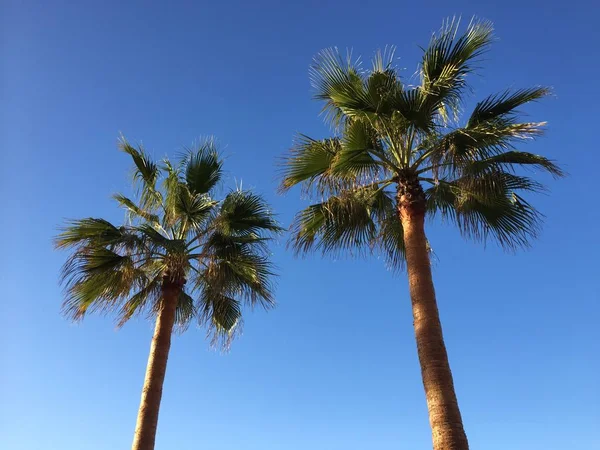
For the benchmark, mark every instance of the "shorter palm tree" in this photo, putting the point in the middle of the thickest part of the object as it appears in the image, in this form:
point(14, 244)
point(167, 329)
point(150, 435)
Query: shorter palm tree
point(183, 255)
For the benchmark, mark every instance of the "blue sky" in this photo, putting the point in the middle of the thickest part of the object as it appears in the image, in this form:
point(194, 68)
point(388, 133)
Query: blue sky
point(334, 366)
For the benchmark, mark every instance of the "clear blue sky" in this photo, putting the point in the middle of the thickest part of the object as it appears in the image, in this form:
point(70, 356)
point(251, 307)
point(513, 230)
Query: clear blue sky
point(334, 366)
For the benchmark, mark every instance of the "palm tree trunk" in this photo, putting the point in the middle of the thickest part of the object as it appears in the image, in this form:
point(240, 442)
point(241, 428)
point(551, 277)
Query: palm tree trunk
point(444, 415)
point(147, 420)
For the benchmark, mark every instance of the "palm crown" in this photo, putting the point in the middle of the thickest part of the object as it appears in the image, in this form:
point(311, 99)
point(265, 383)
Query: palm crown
point(401, 144)
point(178, 233)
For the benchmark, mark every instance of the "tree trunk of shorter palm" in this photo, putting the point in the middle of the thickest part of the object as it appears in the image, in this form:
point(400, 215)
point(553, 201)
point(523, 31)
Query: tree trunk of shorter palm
point(444, 415)
point(147, 420)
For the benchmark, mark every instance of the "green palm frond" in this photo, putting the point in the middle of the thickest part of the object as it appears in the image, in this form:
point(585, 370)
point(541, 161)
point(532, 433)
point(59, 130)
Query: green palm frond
point(222, 312)
point(238, 269)
point(488, 207)
point(504, 104)
point(149, 295)
point(222, 315)
point(355, 159)
point(96, 278)
point(383, 86)
point(134, 210)
point(185, 312)
point(390, 239)
point(243, 212)
point(511, 160)
point(447, 61)
point(348, 221)
point(203, 168)
point(337, 81)
point(462, 147)
point(145, 175)
point(90, 230)
point(309, 160)
point(416, 110)
point(191, 209)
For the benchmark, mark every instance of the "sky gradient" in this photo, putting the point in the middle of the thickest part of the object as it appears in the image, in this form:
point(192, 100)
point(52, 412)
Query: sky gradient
point(335, 365)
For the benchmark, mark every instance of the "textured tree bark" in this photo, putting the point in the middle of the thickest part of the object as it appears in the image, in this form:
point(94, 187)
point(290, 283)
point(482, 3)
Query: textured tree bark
point(147, 420)
point(444, 415)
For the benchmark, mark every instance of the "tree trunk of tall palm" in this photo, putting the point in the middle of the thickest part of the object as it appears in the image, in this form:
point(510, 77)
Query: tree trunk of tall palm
point(444, 415)
point(147, 420)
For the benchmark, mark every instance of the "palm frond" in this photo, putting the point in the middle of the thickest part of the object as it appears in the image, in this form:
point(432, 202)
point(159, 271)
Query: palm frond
point(149, 295)
point(239, 270)
point(203, 167)
point(90, 230)
point(192, 210)
point(185, 312)
point(504, 104)
point(338, 82)
point(97, 278)
point(512, 159)
point(308, 161)
point(383, 89)
point(488, 207)
point(347, 221)
point(134, 210)
point(222, 315)
point(354, 161)
point(243, 212)
point(459, 149)
point(145, 175)
point(447, 61)
point(391, 238)
point(237, 265)
point(222, 311)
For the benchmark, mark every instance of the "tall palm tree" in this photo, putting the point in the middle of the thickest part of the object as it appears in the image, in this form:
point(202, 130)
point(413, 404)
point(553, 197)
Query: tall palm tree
point(401, 154)
point(183, 255)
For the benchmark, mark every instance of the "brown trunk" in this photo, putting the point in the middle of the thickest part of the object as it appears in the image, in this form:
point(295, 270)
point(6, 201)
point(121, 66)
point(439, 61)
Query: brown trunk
point(147, 420)
point(444, 416)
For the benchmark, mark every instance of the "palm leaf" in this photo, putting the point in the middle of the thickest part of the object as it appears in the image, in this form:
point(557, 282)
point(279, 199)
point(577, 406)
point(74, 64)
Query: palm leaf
point(308, 161)
point(203, 168)
point(193, 210)
point(354, 160)
point(337, 81)
point(146, 174)
point(149, 294)
point(134, 210)
point(447, 61)
point(504, 104)
point(185, 311)
point(488, 207)
point(90, 230)
point(347, 221)
point(97, 279)
point(243, 212)
point(511, 159)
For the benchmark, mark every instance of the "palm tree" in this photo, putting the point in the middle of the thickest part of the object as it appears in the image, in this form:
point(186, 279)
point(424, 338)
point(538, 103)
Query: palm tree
point(183, 255)
point(401, 154)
